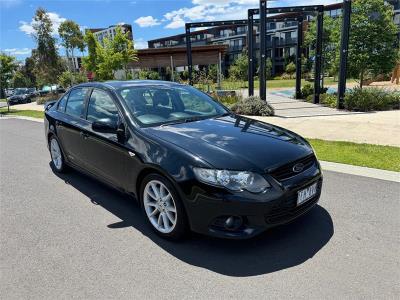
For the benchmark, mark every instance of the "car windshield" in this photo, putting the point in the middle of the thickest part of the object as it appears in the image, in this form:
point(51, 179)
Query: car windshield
point(159, 105)
point(20, 91)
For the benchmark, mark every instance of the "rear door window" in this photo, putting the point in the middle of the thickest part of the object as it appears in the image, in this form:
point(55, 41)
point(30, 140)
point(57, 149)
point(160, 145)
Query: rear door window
point(76, 102)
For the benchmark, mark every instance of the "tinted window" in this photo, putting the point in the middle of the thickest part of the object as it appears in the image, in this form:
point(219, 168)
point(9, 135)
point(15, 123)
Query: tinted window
point(101, 106)
point(155, 105)
point(62, 102)
point(75, 102)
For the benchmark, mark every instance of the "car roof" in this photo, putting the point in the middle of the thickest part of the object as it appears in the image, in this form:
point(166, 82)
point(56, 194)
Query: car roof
point(115, 84)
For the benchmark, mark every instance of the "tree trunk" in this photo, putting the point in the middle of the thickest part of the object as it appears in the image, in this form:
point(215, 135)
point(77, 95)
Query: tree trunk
point(68, 61)
point(361, 79)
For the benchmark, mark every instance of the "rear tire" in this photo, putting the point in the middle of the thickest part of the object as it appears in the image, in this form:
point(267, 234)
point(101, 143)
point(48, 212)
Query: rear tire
point(163, 208)
point(57, 157)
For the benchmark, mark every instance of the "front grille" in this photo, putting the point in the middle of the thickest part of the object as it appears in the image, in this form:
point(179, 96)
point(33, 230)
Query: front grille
point(285, 210)
point(286, 171)
point(285, 214)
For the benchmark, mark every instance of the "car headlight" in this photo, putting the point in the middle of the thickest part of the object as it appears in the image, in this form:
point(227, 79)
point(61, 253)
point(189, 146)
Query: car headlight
point(233, 180)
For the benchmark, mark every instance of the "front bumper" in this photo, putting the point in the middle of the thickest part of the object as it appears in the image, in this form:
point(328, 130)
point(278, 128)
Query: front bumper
point(15, 100)
point(208, 213)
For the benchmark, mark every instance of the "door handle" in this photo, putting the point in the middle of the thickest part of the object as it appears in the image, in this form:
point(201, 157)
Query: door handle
point(84, 135)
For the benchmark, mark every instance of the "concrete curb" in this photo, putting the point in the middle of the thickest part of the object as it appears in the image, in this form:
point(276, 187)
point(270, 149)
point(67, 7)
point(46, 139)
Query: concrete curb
point(326, 165)
point(361, 171)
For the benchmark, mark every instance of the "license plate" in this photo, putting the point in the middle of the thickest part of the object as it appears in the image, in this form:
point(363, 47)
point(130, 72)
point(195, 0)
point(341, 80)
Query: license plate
point(306, 194)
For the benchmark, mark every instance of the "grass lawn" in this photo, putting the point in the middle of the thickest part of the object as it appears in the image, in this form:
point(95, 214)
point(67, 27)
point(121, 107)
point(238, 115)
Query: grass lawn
point(24, 113)
point(3, 100)
point(366, 155)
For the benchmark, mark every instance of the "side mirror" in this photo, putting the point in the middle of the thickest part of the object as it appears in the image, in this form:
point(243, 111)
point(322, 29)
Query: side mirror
point(105, 126)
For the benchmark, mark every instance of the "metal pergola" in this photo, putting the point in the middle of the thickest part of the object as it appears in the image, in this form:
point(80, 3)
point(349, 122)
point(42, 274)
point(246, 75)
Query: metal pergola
point(263, 11)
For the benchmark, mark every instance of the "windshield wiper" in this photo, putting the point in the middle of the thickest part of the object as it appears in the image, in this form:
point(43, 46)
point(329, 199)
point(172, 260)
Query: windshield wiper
point(185, 120)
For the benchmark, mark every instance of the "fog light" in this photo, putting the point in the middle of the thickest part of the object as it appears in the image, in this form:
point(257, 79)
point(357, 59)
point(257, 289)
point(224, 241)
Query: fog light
point(233, 223)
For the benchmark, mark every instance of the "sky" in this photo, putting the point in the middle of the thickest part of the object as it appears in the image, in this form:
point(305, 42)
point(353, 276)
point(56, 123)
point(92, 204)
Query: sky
point(150, 19)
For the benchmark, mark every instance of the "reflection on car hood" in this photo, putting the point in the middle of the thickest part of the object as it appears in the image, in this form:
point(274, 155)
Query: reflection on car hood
point(235, 142)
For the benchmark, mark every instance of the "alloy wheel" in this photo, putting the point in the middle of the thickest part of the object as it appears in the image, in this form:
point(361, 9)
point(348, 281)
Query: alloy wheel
point(56, 155)
point(160, 206)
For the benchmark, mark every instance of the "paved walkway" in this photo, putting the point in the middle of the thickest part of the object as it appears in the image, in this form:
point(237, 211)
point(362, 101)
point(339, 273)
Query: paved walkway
point(28, 106)
point(292, 108)
point(381, 128)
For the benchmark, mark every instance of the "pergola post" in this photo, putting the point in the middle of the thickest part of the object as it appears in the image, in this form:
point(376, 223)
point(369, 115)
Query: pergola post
point(344, 50)
point(172, 68)
point(298, 57)
point(318, 56)
point(250, 55)
point(219, 70)
point(263, 33)
point(189, 53)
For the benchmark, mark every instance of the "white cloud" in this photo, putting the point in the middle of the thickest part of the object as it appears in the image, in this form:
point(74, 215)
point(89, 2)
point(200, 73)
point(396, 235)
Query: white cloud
point(140, 43)
point(206, 10)
point(148, 21)
point(209, 10)
point(177, 22)
point(55, 18)
point(18, 51)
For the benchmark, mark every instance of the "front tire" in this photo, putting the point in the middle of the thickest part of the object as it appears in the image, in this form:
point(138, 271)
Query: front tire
point(57, 158)
point(163, 207)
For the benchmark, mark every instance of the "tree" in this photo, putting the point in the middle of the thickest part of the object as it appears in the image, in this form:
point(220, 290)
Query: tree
point(123, 45)
point(268, 66)
point(372, 39)
point(19, 80)
point(330, 42)
point(72, 38)
point(67, 78)
point(90, 61)
point(29, 69)
point(48, 64)
point(115, 54)
point(290, 69)
point(239, 69)
point(7, 68)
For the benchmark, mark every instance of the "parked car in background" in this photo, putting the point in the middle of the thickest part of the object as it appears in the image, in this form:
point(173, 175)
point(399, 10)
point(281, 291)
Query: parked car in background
point(20, 96)
point(32, 92)
point(190, 162)
point(9, 92)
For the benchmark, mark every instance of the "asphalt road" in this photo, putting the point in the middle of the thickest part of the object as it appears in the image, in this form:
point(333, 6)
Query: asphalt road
point(70, 236)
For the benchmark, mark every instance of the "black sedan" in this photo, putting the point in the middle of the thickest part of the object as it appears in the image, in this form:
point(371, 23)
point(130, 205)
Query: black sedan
point(21, 95)
point(190, 162)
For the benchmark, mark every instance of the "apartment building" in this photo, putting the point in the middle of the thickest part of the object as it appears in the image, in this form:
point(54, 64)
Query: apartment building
point(109, 32)
point(281, 37)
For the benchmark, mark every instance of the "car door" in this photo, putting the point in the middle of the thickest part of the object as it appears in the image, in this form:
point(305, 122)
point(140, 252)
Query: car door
point(70, 125)
point(105, 153)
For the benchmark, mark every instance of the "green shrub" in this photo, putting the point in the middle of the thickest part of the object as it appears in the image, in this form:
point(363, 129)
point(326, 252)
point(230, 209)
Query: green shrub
point(49, 97)
point(253, 106)
point(328, 100)
point(368, 99)
point(306, 91)
point(149, 74)
point(228, 101)
point(310, 98)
